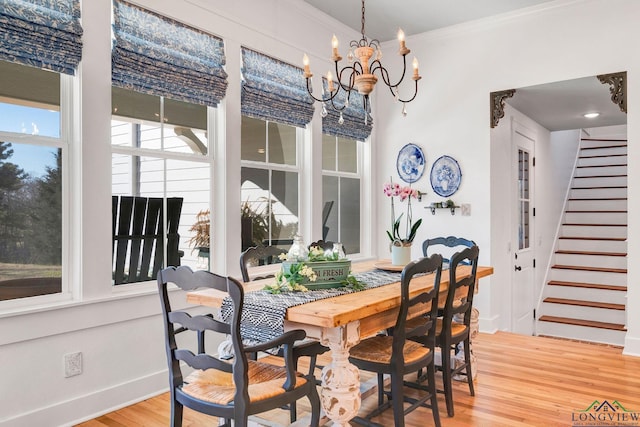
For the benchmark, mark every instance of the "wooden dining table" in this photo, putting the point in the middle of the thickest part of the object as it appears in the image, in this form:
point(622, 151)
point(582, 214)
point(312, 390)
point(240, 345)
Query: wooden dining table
point(340, 322)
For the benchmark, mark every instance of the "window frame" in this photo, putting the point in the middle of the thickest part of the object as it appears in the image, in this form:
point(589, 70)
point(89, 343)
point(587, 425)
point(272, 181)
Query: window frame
point(359, 175)
point(280, 167)
point(161, 154)
point(70, 265)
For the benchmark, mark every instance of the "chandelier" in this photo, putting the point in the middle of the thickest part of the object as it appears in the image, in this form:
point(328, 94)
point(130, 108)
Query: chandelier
point(359, 75)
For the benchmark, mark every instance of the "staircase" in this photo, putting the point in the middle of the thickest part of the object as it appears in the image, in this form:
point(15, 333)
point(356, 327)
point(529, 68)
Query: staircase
point(585, 296)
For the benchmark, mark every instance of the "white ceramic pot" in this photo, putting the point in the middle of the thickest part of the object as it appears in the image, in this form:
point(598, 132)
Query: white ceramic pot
point(401, 254)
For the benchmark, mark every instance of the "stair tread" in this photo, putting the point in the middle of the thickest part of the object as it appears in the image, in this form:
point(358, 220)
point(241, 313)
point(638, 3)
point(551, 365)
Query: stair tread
point(567, 252)
point(599, 187)
point(602, 176)
point(591, 211)
point(580, 224)
point(601, 166)
point(606, 140)
point(597, 198)
point(588, 285)
point(582, 303)
point(586, 268)
point(615, 239)
point(582, 322)
point(602, 155)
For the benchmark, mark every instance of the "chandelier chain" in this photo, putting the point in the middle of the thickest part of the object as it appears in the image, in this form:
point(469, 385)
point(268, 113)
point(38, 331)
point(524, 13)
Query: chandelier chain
point(362, 31)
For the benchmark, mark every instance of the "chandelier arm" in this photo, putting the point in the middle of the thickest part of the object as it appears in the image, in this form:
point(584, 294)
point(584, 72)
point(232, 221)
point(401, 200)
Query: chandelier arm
point(354, 73)
point(375, 66)
point(385, 78)
point(335, 107)
point(352, 67)
point(309, 90)
point(413, 97)
point(404, 72)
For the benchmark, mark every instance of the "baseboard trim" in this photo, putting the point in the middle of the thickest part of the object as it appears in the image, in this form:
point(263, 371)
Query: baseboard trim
point(86, 407)
point(489, 325)
point(631, 346)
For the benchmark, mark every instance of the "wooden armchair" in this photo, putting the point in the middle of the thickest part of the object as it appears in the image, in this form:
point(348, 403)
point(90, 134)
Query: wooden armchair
point(235, 390)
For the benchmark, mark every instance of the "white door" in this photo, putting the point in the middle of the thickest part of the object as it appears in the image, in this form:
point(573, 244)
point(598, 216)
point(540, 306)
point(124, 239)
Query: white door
point(522, 279)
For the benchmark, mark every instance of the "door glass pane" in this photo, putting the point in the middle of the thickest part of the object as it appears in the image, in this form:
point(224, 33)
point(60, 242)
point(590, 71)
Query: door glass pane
point(523, 199)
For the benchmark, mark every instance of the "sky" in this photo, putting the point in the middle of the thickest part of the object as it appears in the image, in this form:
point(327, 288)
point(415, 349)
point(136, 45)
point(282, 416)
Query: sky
point(30, 121)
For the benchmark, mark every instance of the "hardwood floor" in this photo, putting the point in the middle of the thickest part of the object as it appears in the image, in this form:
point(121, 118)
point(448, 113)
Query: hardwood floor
point(522, 381)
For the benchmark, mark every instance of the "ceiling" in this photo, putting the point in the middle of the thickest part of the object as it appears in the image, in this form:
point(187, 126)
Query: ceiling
point(561, 105)
point(556, 106)
point(384, 17)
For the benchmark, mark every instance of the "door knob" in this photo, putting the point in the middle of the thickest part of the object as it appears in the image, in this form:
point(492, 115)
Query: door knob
point(518, 268)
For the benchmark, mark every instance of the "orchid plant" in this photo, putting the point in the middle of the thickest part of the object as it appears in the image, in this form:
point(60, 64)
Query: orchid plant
point(393, 190)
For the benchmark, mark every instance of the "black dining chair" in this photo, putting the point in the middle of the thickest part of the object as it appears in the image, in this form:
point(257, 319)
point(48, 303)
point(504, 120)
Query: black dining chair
point(229, 390)
point(454, 326)
point(256, 256)
point(450, 331)
point(264, 255)
point(445, 245)
point(396, 354)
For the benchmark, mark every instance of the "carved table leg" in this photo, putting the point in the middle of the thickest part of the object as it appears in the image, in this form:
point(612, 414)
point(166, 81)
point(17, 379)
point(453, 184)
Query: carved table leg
point(340, 392)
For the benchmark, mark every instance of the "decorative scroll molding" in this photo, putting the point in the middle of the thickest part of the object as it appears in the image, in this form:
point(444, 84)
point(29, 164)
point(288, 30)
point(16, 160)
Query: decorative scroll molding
point(496, 105)
point(618, 89)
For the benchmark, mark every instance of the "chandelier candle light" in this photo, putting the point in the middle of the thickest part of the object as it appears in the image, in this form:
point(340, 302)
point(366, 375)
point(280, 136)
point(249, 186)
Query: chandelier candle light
point(359, 75)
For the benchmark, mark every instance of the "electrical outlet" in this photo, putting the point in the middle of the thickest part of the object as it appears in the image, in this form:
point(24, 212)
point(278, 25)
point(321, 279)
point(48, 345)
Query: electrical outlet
point(465, 209)
point(72, 364)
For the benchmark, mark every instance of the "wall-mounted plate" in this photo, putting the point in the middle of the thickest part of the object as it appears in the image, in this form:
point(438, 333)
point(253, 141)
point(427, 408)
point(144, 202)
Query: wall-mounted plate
point(445, 176)
point(411, 163)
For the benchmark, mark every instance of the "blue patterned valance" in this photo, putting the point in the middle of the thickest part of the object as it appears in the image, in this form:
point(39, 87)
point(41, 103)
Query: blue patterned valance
point(41, 33)
point(354, 126)
point(274, 90)
point(156, 55)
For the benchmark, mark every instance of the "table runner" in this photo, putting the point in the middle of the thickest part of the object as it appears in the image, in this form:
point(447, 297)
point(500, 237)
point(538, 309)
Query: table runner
point(263, 314)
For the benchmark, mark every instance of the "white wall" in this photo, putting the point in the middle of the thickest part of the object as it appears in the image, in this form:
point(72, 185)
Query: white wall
point(460, 66)
point(119, 330)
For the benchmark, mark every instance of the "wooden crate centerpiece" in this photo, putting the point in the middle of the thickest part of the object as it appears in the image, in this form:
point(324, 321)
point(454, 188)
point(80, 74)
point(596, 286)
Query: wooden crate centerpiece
point(330, 274)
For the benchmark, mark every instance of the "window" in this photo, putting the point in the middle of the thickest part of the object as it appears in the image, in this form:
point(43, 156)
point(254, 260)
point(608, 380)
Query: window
point(341, 194)
point(33, 150)
point(160, 150)
point(270, 184)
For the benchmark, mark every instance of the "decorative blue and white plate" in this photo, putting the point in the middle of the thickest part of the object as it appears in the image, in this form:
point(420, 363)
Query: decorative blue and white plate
point(410, 163)
point(445, 176)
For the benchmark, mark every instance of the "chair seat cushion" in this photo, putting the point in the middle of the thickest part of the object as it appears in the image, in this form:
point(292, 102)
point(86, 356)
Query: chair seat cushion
point(457, 329)
point(378, 349)
point(265, 381)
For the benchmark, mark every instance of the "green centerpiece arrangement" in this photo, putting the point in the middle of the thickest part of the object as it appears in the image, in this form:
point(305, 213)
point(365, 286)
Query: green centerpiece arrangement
point(311, 269)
